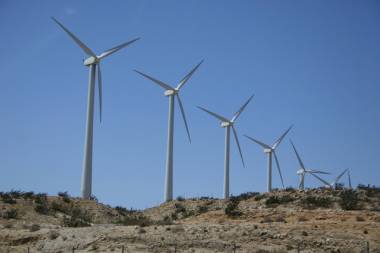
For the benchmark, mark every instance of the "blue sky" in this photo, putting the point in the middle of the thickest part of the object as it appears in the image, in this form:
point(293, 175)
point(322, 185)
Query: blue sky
point(314, 64)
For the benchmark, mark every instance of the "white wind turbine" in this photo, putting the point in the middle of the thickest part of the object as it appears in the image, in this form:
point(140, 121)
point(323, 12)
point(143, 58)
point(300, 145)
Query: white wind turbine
point(303, 171)
point(171, 93)
point(228, 124)
point(93, 62)
point(269, 150)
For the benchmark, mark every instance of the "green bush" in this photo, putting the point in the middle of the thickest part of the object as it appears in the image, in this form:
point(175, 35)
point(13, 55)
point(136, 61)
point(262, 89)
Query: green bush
point(231, 208)
point(316, 201)
point(245, 196)
point(78, 218)
point(65, 197)
point(202, 209)
point(180, 198)
point(10, 214)
point(41, 203)
point(28, 195)
point(7, 198)
point(137, 219)
point(57, 206)
point(349, 200)
point(278, 200)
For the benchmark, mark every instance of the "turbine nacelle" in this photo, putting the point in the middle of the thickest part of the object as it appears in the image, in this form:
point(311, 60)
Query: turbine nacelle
point(226, 124)
point(171, 92)
point(90, 60)
point(300, 172)
point(268, 150)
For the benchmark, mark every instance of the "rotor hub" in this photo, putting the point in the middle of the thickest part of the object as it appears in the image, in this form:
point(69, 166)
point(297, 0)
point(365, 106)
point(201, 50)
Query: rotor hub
point(300, 172)
point(268, 150)
point(90, 60)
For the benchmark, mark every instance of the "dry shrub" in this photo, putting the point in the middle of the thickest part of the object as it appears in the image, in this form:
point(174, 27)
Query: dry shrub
point(360, 218)
point(302, 219)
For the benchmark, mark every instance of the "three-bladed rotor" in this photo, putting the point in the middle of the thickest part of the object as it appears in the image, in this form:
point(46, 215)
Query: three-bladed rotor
point(171, 91)
point(94, 59)
point(230, 123)
point(303, 171)
point(271, 150)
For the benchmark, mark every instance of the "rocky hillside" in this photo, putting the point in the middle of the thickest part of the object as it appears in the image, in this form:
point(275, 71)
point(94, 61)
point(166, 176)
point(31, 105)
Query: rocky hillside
point(317, 220)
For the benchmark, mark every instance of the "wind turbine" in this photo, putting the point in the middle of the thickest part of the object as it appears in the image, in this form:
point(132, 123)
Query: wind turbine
point(269, 150)
point(303, 171)
point(172, 93)
point(228, 124)
point(93, 62)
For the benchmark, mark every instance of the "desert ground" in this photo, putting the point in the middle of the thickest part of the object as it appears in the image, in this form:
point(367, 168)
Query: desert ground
point(314, 220)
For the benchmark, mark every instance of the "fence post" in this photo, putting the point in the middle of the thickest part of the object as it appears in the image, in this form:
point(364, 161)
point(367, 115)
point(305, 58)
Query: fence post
point(28, 250)
point(122, 249)
point(298, 248)
point(367, 246)
point(234, 247)
point(175, 249)
point(73, 249)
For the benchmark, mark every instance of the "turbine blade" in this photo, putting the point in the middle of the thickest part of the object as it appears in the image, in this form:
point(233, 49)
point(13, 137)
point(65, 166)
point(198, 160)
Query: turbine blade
point(100, 91)
point(238, 144)
point(87, 50)
point(318, 172)
point(221, 118)
point(183, 116)
point(340, 175)
point(320, 179)
point(278, 168)
point(162, 84)
point(277, 143)
point(298, 156)
point(237, 114)
point(258, 142)
point(115, 49)
point(187, 77)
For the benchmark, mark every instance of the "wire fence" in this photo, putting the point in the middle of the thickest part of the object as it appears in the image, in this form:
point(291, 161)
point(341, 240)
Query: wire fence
point(234, 248)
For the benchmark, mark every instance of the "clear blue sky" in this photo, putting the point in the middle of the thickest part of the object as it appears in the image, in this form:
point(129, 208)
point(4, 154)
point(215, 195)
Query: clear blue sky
point(314, 64)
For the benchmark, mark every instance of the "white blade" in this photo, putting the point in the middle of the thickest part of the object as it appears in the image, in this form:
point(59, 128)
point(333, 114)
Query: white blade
point(115, 49)
point(298, 156)
point(258, 142)
point(221, 118)
point(238, 144)
point(340, 175)
point(183, 116)
point(80, 43)
point(237, 114)
point(278, 168)
point(187, 77)
point(318, 172)
point(320, 179)
point(277, 143)
point(162, 84)
point(100, 91)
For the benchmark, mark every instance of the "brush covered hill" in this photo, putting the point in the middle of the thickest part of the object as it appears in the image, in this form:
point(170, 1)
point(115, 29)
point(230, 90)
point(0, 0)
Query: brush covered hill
point(315, 220)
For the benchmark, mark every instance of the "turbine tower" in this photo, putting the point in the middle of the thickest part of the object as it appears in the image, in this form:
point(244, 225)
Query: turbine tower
point(270, 150)
point(303, 171)
point(228, 124)
point(349, 179)
point(172, 93)
point(93, 62)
